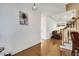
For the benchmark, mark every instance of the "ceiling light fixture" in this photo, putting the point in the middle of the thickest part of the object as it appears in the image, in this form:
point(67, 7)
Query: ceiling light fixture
point(34, 7)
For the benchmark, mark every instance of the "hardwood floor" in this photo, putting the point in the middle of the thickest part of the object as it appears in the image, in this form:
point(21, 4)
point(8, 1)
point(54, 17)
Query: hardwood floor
point(33, 51)
point(48, 47)
point(65, 52)
point(51, 47)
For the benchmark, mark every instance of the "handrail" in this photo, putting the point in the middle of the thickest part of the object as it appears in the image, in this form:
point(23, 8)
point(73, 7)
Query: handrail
point(75, 19)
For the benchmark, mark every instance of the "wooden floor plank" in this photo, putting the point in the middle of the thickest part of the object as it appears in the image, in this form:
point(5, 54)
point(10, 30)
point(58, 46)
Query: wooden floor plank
point(33, 51)
point(49, 47)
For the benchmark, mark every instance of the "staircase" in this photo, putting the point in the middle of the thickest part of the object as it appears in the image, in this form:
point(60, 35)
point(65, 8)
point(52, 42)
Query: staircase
point(67, 45)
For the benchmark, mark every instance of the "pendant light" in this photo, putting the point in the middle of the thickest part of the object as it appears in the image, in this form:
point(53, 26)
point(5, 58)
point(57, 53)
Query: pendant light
point(34, 7)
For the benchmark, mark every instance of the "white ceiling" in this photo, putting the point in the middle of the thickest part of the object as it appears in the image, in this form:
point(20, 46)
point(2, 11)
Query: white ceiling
point(65, 16)
point(51, 8)
point(48, 8)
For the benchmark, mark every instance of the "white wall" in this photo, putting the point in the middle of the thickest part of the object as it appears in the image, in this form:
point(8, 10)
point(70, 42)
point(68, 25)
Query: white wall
point(13, 36)
point(51, 26)
point(43, 26)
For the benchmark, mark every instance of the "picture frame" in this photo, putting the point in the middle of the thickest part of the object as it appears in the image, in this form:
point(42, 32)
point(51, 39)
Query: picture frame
point(23, 18)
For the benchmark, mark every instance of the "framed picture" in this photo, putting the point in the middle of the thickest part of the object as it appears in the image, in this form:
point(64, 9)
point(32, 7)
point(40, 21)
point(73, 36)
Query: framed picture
point(23, 18)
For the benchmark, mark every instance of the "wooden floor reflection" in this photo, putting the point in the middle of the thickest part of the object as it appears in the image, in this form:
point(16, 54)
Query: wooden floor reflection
point(50, 47)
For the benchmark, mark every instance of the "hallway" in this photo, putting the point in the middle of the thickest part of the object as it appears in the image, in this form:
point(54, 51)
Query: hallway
point(26, 31)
